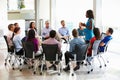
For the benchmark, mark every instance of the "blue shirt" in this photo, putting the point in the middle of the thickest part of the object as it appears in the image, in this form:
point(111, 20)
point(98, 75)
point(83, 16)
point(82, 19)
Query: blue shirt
point(105, 40)
point(81, 32)
point(17, 42)
point(64, 31)
point(89, 33)
point(75, 41)
point(45, 32)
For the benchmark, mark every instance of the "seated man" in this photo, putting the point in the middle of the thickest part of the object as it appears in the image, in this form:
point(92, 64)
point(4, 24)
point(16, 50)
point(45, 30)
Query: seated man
point(81, 31)
point(106, 39)
point(52, 40)
point(46, 30)
point(10, 36)
point(64, 32)
point(68, 55)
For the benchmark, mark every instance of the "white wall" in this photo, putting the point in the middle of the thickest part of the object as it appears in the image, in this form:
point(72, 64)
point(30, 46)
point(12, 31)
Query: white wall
point(44, 9)
point(97, 7)
point(3, 15)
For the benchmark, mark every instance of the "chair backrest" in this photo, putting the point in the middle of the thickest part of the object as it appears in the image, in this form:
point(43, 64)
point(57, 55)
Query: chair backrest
point(81, 51)
point(29, 49)
point(10, 49)
point(106, 46)
point(103, 35)
point(50, 51)
point(95, 47)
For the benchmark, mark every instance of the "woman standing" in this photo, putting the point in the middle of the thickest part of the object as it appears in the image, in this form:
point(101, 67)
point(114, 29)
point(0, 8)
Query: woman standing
point(89, 26)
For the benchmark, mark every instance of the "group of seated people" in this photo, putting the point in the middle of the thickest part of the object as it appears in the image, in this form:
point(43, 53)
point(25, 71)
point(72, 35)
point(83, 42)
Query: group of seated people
point(49, 37)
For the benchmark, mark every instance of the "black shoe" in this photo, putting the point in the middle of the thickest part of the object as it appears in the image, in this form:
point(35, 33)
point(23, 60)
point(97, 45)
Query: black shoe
point(82, 63)
point(65, 42)
point(53, 66)
point(25, 62)
point(66, 69)
point(76, 68)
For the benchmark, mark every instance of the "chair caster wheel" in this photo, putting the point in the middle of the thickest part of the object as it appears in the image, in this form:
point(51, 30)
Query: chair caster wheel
point(72, 74)
point(20, 64)
point(40, 73)
point(105, 65)
point(12, 64)
point(88, 72)
point(34, 72)
point(5, 64)
point(58, 74)
point(32, 66)
point(13, 68)
point(91, 70)
point(100, 66)
point(9, 61)
point(29, 67)
point(20, 69)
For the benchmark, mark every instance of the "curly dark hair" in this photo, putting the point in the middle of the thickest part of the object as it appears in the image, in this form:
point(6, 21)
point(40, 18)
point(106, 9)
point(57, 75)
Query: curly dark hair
point(89, 14)
point(31, 34)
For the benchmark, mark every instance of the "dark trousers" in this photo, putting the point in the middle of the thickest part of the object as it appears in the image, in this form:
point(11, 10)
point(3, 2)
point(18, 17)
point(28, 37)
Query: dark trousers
point(87, 41)
point(20, 52)
point(64, 40)
point(59, 58)
point(68, 56)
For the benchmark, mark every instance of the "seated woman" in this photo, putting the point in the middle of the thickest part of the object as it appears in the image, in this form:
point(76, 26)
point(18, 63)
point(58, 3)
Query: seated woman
point(31, 37)
point(96, 32)
point(17, 41)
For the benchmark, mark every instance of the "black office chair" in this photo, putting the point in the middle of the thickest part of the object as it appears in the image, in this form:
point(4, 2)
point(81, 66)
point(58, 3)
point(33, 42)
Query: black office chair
point(10, 51)
point(51, 53)
point(18, 57)
point(30, 56)
point(80, 54)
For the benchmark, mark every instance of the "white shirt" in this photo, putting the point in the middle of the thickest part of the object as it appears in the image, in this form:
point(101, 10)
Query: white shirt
point(9, 36)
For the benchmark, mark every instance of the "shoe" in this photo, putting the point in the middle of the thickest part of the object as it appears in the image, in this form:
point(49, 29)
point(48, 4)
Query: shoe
point(53, 66)
point(66, 69)
point(65, 42)
point(76, 68)
point(82, 62)
point(25, 62)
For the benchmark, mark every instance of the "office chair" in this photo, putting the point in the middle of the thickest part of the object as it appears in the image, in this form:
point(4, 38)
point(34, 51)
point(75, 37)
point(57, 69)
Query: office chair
point(95, 51)
point(105, 61)
point(10, 51)
point(80, 54)
point(30, 57)
point(18, 57)
point(51, 53)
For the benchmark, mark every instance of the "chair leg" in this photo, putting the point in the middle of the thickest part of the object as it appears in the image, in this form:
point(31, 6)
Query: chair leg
point(41, 69)
point(99, 62)
point(71, 68)
point(8, 56)
point(103, 60)
point(59, 68)
point(36, 63)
